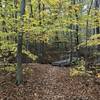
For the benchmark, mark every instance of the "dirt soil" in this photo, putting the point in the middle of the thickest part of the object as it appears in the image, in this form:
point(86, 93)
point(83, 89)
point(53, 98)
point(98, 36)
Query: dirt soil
point(46, 82)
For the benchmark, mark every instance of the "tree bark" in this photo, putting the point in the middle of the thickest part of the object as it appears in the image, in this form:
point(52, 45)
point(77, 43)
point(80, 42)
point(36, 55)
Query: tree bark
point(19, 78)
point(96, 14)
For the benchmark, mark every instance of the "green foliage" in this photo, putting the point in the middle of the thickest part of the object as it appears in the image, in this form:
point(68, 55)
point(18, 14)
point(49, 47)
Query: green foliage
point(78, 70)
point(30, 55)
point(94, 40)
point(8, 68)
point(46, 22)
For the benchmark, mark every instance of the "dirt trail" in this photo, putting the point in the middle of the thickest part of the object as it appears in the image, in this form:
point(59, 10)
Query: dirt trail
point(46, 82)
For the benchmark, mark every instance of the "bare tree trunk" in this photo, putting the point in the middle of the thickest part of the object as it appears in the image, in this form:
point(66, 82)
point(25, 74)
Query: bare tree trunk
point(19, 78)
point(71, 46)
point(97, 5)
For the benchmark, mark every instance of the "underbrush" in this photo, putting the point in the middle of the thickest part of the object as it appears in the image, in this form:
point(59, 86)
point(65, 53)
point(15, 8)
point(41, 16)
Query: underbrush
point(80, 69)
point(11, 68)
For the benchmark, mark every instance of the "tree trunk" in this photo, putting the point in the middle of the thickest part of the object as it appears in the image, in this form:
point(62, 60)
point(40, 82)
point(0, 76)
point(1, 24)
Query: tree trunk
point(19, 48)
point(96, 14)
point(71, 46)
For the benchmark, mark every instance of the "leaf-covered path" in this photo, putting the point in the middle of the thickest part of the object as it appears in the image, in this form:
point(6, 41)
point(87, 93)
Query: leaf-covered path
point(46, 82)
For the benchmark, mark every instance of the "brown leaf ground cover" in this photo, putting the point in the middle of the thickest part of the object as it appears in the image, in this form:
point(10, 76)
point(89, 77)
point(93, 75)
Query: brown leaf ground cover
point(46, 82)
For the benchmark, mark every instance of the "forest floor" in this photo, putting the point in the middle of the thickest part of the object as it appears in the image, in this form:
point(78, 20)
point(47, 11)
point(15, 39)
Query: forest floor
point(46, 82)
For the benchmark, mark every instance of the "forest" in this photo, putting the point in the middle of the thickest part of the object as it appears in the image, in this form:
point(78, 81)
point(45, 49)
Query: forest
point(49, 49)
